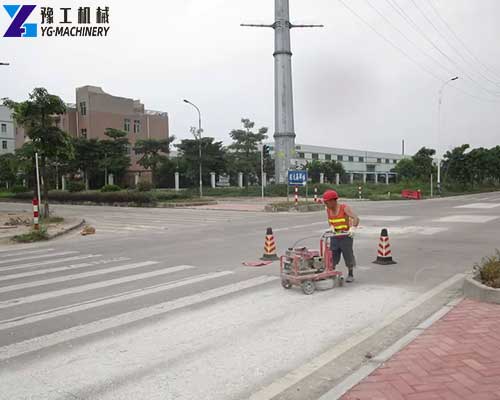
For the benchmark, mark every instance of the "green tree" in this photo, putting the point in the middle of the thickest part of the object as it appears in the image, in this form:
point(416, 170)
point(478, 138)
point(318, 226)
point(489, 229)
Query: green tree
point(115, 157)
point(423, 162)
point(153, 153)
point(454, 165)
point(405, 168)
point(213, 157)
point(245, 155)
point(329, 168)
point(38, 116)
point(8, 169)
point(88, 156)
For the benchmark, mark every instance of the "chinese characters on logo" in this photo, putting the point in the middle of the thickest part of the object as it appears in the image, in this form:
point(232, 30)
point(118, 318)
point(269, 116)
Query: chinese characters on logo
point(81, 21)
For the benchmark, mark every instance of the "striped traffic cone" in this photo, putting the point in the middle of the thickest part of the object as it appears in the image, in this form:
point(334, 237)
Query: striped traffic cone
point(384, 255)
point(269, 246)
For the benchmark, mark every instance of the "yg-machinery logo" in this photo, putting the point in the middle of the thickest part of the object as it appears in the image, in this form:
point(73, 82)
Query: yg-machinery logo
point(18, 27)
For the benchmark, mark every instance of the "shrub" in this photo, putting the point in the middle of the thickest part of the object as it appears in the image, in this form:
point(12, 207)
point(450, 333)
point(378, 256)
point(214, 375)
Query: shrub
point(19, 189)
point(97, 197)
point(76, 186)
point(33, 236)
point(489, 270)
point(110, 188)
point(144, 186)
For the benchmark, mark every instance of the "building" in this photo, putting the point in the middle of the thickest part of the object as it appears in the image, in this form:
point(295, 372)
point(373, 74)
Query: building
point(7, 131)
point(367, 165)
point(95, 111)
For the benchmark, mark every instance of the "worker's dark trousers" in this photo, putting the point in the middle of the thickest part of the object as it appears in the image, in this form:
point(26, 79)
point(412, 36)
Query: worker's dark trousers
point(343, 246)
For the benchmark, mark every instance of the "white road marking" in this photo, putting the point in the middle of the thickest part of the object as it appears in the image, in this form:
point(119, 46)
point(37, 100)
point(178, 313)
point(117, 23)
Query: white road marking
point(44, 271)
point(91, 286)
point(94, 303)
point(38, 256)
point(80, 331)
point(480, 205)
point(307, 369)
point(17, 253)
point(474, 219)
point(50, 262)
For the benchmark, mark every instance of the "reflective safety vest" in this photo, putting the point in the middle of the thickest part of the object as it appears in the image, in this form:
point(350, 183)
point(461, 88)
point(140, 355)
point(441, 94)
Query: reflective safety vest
point(339, 222)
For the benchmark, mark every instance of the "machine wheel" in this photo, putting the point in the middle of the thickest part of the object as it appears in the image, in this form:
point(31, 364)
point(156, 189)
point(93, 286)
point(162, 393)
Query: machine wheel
point(308, 287)
point(286, 284)
point(340, 281)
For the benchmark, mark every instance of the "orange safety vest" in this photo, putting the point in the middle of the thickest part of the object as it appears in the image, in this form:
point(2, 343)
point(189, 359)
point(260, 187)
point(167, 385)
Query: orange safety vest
point(339, 222)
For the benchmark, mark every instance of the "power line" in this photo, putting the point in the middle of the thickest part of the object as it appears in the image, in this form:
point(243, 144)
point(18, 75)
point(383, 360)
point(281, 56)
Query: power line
point(449, 43)
point(422, 67)
point(450, 29)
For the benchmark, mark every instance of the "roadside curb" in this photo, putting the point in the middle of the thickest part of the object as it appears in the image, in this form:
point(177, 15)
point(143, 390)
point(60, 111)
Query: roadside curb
point(374, 363)
point(67, 230)
point(475, 290)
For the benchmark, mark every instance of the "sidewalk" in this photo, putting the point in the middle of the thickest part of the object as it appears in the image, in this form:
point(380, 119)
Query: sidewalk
point(458, 357)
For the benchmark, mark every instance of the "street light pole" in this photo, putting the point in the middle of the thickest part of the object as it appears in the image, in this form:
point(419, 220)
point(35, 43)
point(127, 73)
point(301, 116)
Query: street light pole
point(199, 143)
point(439, 132)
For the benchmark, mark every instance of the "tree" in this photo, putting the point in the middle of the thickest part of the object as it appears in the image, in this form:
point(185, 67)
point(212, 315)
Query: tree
point(329, 168)
point(405, 168)
point(245, 157)
point(153, 153)
point(422, 161)
point(38, 116)
point(115, 153)
point(8, 169)
point(213, 157)
point(454, 165)
point(88, 156)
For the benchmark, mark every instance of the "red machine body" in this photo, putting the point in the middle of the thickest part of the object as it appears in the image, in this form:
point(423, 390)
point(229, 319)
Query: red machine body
point(310, 269)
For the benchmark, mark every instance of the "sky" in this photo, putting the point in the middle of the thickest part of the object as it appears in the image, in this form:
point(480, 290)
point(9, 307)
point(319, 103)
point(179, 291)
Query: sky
point(361, 84)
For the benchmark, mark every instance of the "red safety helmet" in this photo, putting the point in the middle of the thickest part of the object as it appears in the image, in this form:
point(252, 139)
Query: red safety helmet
point(330, 195)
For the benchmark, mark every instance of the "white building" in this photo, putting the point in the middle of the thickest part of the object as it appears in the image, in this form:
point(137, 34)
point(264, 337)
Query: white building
point(7, 131)
point(357, 163)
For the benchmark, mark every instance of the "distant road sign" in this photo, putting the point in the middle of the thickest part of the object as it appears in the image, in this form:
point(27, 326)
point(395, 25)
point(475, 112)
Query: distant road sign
point(297, 178)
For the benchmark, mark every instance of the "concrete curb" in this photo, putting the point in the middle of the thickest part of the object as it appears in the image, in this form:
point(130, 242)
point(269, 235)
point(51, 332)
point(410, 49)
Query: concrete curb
point(366, 369)
point(473, 289)
point(71, 228)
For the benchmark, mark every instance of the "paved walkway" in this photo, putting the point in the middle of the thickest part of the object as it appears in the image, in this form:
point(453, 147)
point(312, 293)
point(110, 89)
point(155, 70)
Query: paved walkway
point(456, 358)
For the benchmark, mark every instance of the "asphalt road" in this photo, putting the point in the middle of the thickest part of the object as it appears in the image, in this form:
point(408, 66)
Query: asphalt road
point(157, 304)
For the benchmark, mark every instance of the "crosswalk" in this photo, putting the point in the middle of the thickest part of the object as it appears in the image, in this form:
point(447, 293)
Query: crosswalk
point(160, 221)
point(69, 284)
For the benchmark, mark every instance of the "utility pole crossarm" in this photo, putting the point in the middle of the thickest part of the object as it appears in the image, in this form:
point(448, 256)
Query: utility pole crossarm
point(306, 26)
point(258, 25)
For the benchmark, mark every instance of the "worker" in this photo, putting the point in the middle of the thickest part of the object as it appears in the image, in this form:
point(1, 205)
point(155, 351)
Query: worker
point(341, 218)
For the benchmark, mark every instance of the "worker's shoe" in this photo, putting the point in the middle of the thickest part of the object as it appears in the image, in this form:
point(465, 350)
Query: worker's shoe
point(350, 278)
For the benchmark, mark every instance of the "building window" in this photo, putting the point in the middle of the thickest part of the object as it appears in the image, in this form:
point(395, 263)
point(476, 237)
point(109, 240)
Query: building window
point(126, 125)
point(4, 128)
point(83, 108)
point(271, 148)
point(351, 158)
point(315, 156)
point(379, 160)
point(328, 157)
point(395, 161)
point(83, 133)
point(298, 148)
point(137, 126)
point(301, 155)
point(361, 159)
point(4, 144)
point(387, 161)
point(340, 158)
point(370, 168)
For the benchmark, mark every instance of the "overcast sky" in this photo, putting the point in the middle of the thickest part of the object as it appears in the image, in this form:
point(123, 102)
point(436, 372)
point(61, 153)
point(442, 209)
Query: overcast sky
point(352, 88)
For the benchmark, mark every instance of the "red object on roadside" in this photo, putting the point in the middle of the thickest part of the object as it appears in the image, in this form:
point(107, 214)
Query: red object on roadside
point(411, 194)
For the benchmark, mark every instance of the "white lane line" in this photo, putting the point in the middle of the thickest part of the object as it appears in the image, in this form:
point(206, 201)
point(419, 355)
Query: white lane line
point(38, 256)
point(312, 366)
point(44, 271)
point(301, 226)
point(17, 253)
point(50, 262)
point(96, 285)
point(479, 205)
point(94, 303)
point(383, 217)
point(81, 331)
point(473, 219)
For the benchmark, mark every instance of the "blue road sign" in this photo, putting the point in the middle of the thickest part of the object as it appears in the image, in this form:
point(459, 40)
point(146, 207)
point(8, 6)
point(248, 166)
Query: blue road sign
point(297, 178)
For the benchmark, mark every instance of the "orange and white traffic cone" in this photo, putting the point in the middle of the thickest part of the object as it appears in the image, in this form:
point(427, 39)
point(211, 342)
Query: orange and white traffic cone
point(269, 246)
point(384, 254)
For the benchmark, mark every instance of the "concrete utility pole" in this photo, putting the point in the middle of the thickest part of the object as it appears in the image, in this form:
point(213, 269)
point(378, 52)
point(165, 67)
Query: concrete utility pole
point(284, 131)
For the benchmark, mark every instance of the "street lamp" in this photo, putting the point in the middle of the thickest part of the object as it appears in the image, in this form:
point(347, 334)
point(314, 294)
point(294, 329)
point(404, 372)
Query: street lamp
point(439, 131)
point(199, 142)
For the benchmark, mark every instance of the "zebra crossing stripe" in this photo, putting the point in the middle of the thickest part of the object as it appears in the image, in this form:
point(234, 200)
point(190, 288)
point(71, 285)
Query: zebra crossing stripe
point(44, 271)
point(80, 331)
point(94, 303)
point(49, 262)
point(38, 256)
point(91, 286)
point(17, 253)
